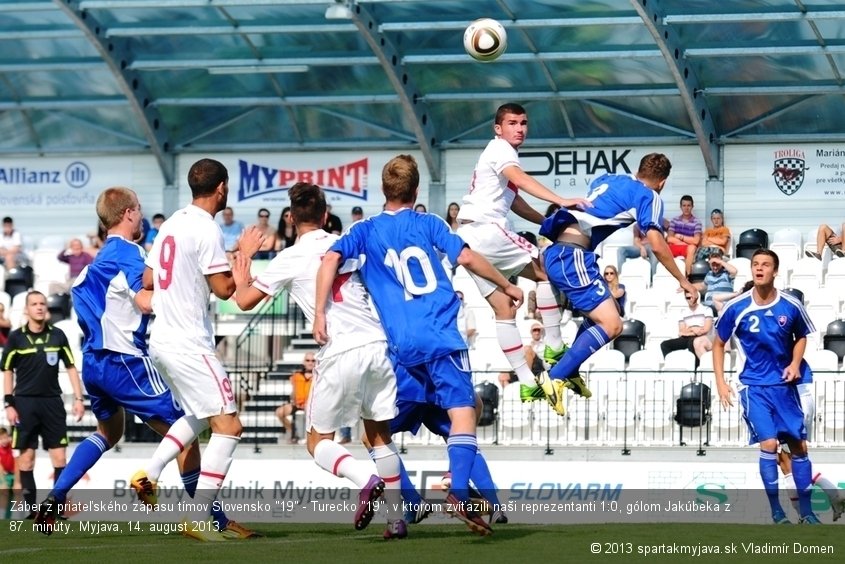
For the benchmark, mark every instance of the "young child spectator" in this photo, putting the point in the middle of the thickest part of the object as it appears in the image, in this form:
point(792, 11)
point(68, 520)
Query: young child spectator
point(718, 285)
point(716, 237)
point(301, 383)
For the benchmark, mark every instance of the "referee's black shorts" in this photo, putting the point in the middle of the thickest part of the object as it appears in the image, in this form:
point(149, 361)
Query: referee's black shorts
point(40, 416)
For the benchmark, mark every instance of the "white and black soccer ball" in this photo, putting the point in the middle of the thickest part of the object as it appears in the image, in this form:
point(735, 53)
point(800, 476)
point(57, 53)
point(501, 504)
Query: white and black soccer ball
point(485, 40)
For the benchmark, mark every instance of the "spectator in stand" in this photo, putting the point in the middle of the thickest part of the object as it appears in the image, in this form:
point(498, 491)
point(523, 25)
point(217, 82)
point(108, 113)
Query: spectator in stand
point(333, 223)
point(5, 326)
point(827, 236)
point(420, 208)
point(716, 237)
point(286, 233)
point(301, 383)
point(685, 234)
point(357, 214)
point(718, 285)
point(231, 231)
point(452, 216)
point(158, 219)
point(640, 249)
point(534, 348)
point(10, 244)
point(506, 378)
point(694, 322)
point(96, 240)
point(268, 247)
point(77, 259)
point(617, 290)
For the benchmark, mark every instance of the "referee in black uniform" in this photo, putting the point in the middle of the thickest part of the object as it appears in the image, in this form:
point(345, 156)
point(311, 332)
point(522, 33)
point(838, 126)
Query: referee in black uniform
point(31, 368)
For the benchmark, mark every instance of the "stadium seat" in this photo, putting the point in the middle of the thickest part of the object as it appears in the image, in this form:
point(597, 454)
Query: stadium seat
point(59, 307)
point(489, 394)
point(822, 361)
point(749, 241)
point(806, 275)
point(516, 417)
point(610, 246)
point(787, 243)
point(692, 409)
point(795, 292)
point(835, 278)
point(606, 361)
point(635, 274)
point(834, 338)
point(679, 363)
point(656, 408)
point(631, 339)
point(650, 304)
point(698, 271)
point(621, 410)
point(19, 279)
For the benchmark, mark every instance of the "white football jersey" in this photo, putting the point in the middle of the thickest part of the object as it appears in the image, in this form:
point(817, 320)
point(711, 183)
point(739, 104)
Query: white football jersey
point(189, 246)
point(490, 193)
point(350, 318)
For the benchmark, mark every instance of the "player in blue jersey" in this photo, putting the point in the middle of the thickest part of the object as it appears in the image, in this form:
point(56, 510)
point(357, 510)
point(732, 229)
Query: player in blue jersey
point(572, 264)
point(771, 329)
point(417, 305)
point(113, 312)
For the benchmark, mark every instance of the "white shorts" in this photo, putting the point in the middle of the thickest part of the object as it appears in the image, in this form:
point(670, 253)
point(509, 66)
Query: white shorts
point(198, 381)
point(357, 383)
point(507, 251)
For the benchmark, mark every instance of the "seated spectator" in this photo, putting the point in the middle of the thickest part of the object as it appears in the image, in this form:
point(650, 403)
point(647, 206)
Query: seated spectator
point(5, 327)
point(420, 208)
point(640, 249)
point(158, 219)
point(452, 216)
point(357, 214)
point(231, 230)
point(301, 383)
point(718, 284)
point(685, 233)
point(694, 322)
point(506, 378)
point(827, 236)
point(10, 244)
point(534, 348)
point(617, 290)
point(267, 250)
point(286, 233)
point(77, 259)
point(716, 237)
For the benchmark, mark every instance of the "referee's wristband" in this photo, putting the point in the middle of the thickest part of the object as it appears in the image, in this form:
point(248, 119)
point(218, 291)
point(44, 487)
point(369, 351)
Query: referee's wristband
point(8, 400)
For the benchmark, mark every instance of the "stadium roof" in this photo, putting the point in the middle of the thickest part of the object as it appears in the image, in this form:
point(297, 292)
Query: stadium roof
point(172, 76)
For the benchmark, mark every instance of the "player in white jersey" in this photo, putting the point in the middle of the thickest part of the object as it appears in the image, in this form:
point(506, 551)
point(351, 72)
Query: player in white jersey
point(354, 377)
point(186, 261)
point(484, 225)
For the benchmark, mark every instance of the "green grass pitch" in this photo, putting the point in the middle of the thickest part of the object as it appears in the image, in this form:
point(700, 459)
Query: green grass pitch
point(441, 543)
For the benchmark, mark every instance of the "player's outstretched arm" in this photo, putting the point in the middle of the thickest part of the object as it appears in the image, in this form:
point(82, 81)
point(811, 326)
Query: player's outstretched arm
point(478, 265)
point(325, 276)
point(521, 208)
point(532, 186)
point(725, 392)
point(664, 255)
point(247, 296)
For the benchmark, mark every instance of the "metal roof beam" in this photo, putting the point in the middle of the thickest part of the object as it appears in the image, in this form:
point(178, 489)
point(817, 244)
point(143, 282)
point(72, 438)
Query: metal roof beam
point(414, 108)
point(689, 86)
point(117, 57)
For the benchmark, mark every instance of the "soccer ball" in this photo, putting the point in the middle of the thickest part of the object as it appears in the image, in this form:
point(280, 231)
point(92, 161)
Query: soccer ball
point(485, 40)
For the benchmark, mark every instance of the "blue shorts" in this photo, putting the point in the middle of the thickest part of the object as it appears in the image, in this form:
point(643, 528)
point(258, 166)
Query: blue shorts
point(115, 380)
point(445, 381)
point(576, 273)
point(412, 415)
point(772, 412)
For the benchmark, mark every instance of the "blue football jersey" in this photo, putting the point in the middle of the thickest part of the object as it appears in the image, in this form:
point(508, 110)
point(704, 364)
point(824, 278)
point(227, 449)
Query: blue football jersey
point(765, 337)
point(618, 201)
point(103, 298)
point(399, 264)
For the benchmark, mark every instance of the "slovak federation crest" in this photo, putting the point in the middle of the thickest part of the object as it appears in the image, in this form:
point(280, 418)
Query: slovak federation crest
point(789, 174)
point(782, 320)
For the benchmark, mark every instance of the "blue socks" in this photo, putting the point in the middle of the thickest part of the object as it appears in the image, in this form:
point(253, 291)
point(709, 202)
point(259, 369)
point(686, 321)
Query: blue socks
point(462, 449)
point(587, 343)
point(483, 480)
point(769, 474)
point(84, 458)
point(802, 474)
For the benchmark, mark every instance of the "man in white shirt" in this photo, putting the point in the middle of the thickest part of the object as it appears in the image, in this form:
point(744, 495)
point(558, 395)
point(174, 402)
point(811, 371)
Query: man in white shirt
point(484, 225)
point(694, 322)
point(10, 243)
point(186, 261)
